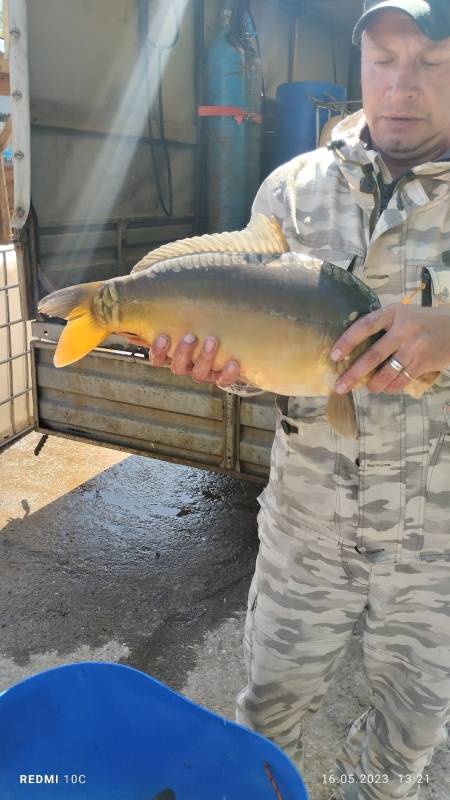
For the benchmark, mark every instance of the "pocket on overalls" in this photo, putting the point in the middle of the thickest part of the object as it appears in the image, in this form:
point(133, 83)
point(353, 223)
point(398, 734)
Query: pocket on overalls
point(436, 292)
point(308, 475)
point(278, 454)
point(439, 284)
point(436, 535)
point(250, 621)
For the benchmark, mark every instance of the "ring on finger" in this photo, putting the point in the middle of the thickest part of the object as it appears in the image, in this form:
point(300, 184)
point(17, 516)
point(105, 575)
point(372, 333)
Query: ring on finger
point(396, 365)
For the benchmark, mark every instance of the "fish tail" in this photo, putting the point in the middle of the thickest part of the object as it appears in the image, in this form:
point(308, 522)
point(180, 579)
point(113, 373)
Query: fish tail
point(84, 330)
point(341, 414)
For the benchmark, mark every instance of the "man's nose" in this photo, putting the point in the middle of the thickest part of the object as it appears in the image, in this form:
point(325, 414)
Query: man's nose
point(404, 83)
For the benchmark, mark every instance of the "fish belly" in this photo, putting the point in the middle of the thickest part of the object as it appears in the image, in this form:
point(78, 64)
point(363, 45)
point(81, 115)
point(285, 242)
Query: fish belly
point(275, 353)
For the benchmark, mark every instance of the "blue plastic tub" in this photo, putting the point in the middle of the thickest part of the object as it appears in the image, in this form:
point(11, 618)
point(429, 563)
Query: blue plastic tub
point(95, 731)
point(296, 128)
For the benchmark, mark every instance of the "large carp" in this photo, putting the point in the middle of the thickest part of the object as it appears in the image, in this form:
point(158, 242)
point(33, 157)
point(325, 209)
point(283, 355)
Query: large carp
point(276, 312)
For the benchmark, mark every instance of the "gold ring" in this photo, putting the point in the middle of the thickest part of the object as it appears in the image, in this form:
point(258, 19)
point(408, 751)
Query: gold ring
point(396, 365)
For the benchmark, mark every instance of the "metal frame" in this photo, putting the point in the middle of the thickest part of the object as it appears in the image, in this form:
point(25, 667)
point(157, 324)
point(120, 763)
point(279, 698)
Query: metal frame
point(340, 108)
point(20, 110)
point(219, 432)
point(230, 463)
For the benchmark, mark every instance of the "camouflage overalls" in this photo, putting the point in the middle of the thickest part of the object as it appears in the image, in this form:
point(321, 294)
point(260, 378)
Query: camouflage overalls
point(358, 528)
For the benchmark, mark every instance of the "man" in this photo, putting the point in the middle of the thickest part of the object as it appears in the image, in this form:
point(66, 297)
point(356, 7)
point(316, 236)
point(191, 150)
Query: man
point(360, 529)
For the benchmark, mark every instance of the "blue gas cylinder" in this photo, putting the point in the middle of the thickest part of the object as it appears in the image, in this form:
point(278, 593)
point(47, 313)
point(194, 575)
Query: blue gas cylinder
point(254, 94)
point(226, 132)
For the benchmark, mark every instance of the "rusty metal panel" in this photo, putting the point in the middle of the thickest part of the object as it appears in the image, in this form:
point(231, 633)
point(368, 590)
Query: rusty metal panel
point(117, 400)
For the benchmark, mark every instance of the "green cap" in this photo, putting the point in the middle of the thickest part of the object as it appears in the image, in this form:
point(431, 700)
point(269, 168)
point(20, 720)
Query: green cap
point(432, 16)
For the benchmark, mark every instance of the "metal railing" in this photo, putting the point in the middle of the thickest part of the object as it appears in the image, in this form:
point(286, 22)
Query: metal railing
point(16, 416)
point(333, 108)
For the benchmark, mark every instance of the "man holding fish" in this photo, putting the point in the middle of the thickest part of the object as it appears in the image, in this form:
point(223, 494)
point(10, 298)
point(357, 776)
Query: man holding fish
point(360, 528)
point(351, 329)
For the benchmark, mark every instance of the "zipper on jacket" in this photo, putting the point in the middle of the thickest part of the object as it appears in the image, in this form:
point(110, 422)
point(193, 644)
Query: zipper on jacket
point(381, 197)
point(427, 296)
point(369, 185)
point(408, 176)
point(376, 212)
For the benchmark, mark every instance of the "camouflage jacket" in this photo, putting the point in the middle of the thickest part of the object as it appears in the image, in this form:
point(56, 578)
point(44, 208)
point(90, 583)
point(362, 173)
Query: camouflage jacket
point(389, 491)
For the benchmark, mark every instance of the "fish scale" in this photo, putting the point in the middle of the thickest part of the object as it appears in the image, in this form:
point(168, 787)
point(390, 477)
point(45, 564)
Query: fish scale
point(294, 286)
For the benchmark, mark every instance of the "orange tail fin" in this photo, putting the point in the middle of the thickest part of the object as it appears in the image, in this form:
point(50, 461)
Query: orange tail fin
point(83, 331)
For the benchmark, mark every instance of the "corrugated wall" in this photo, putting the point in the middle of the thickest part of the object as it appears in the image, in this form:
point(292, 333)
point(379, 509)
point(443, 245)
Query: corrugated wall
point(93, 180)
point(118, 400)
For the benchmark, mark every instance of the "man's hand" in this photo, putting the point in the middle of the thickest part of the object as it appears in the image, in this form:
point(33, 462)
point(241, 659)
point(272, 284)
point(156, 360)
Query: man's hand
point(181, 362)
point(419, 338)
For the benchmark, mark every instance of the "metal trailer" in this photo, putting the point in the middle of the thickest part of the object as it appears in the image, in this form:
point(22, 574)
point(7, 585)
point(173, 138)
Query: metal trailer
point(87, 205)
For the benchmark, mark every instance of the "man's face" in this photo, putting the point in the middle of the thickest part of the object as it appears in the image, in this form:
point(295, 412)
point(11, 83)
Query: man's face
point(406, 87)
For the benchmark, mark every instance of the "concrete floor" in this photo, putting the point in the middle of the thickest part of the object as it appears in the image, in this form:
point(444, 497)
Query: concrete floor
point(110, 557)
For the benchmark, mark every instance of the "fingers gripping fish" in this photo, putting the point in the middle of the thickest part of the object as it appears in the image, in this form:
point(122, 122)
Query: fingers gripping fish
point(276, 312)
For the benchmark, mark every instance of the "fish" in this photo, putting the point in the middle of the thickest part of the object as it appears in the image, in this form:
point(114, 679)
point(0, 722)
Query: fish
point(275, 311)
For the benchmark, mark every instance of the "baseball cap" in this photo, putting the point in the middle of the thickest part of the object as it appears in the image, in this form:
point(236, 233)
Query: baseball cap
point(432, 16)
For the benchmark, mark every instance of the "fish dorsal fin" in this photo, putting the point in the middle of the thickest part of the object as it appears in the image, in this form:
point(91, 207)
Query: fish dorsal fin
point(262, 235)
point(297, 259)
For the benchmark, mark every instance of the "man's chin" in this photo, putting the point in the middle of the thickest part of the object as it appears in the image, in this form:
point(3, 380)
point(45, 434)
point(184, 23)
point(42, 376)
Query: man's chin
point(401, 149)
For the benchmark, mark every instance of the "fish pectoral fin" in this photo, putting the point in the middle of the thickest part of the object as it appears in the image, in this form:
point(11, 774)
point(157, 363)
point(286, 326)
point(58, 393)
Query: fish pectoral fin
point(134, 338)
point(341, 414)
point(408, 298)
point(78, 338)
point(420, 385)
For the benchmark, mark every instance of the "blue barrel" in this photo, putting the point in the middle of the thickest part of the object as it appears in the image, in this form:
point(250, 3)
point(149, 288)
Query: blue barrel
point(296, 128)
point(101, 731)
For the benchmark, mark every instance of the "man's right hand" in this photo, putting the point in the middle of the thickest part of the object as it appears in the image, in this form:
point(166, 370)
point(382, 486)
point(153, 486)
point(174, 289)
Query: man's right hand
point(181, 362)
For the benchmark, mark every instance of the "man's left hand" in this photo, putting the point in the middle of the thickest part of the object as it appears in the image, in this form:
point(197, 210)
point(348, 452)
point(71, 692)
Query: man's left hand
point(418, 338)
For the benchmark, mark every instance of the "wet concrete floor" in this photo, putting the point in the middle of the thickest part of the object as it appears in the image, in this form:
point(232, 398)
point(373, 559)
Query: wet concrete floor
point(110, 557)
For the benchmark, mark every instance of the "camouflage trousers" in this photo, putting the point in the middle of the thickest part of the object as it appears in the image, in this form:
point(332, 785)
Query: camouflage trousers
point(306, 596)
